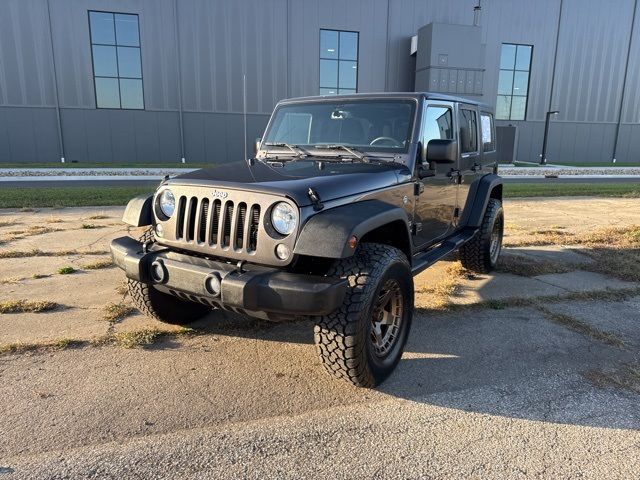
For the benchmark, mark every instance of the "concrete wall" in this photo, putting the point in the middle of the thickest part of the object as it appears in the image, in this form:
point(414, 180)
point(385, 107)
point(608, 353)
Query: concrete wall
point(195, 53)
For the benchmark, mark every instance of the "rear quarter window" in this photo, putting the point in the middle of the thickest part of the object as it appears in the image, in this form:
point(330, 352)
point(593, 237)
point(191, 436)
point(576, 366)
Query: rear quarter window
point(488, 132)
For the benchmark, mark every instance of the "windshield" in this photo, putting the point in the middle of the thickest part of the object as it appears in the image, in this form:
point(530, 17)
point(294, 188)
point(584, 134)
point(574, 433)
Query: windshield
point(373, 125)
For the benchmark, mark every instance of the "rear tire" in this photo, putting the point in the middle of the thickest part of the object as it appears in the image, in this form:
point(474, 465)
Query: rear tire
point(162, 306)
point(480, 254)
point(362, 342)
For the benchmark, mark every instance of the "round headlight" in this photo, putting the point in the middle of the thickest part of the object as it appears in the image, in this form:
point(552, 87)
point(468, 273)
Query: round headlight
point(167, 203)
point(284, 218)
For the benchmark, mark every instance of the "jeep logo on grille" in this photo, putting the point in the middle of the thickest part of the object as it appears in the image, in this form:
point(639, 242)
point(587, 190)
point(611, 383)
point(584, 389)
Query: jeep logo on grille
point(220, 194)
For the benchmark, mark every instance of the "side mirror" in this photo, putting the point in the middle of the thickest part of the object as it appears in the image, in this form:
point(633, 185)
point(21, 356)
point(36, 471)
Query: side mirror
point(442, 151)
point(256, 145)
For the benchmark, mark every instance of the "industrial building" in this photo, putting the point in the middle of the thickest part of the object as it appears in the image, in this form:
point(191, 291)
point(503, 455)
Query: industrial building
point(159, 81)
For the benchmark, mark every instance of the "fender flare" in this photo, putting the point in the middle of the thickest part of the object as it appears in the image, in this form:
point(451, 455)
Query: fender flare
point(139, 211)
point(326, 233)
point(480, 196)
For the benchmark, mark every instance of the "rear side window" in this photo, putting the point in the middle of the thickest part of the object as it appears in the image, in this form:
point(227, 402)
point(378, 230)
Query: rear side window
point(488, 132)
point(468, 120)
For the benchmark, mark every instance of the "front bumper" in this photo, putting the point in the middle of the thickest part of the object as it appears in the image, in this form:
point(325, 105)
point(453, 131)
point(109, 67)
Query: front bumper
point(258, 291)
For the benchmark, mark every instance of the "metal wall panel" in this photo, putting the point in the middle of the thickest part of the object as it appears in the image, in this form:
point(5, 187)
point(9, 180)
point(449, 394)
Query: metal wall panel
point(307, 17)
point(120, 136)
point(218, 137)
point(629, 143)
point(592, 52)
point(28, 135)
point(26, 69)
point(220, 41)
point(631, 104)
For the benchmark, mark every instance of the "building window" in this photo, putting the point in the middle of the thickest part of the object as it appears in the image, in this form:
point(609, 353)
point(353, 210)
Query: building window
point(117, 67)
point(513, 81)
point(338, 62)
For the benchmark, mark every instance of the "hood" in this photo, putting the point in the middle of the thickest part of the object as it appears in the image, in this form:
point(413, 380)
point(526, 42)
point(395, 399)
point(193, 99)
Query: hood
point(293, 179)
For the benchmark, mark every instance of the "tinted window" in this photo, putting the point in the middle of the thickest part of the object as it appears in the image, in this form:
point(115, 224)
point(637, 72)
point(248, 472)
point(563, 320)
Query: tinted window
point(117, 66)
point(376, 125)
point(468, 122)
point(488, 140)
point(338, 62)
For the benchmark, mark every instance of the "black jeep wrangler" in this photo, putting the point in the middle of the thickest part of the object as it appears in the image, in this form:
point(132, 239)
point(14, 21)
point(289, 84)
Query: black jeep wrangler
point(346, 199)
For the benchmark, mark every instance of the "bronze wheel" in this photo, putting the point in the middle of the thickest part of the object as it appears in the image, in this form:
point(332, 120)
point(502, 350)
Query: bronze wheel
point(387, 318)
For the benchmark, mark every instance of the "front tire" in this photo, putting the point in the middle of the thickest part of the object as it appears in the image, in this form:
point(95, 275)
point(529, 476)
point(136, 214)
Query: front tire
point(480, 254)
point(362, 342)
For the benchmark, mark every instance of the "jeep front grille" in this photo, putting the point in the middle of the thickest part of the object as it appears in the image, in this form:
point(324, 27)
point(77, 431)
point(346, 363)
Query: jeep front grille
point(222, 223)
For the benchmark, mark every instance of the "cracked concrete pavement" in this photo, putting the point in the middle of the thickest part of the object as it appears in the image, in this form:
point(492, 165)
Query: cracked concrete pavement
point(482, 392)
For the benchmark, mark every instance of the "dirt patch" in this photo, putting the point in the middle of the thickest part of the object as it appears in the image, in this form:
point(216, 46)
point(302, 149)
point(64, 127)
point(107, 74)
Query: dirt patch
point(98, 264)
point(529, 267)
point(114, 312)
point(434, 293)
point(40, 253)
point(23, 306)
point(626, 377)
point(583, 327)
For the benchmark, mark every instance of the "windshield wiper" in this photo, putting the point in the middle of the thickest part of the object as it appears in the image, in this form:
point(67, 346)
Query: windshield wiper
point(297, 151)
point(337, 146)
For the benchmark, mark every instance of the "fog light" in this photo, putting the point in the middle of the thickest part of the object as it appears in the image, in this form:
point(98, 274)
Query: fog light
point(158, 272)
point(159, 230)
point(212, 284)
point(282, 251)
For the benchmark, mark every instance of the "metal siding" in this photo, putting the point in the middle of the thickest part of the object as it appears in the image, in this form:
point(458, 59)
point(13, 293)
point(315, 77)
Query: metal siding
point(629, 143)
point(307, 17)
point(631, 106)
point(28, 135)
point(220, 41)
point(591, 58)
point(218, 137)
point(26, 70)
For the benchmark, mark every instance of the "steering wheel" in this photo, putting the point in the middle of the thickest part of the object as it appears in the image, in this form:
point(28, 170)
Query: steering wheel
point(395, 142)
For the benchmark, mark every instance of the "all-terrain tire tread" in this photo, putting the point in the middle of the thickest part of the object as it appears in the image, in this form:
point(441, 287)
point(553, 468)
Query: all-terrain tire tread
point(338, 341)
point(474, 255)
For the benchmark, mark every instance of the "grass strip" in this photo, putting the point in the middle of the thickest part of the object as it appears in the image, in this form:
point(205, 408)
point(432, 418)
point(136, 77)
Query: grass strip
point(98, 196)
point(621, 190)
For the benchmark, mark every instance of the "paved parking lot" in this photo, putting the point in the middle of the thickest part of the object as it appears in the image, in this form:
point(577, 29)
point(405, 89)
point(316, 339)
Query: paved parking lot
point(531, 372)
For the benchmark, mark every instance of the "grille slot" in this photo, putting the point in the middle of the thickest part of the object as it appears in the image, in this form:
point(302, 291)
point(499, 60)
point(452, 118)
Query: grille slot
point(241, 217)
point(226, 224)
point(254, 218)
point(180, 223)
point(191, 218)
point(215, 221)
point(202, 226)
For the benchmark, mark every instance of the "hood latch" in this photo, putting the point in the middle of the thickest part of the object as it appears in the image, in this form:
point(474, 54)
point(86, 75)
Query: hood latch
point(315, 199)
